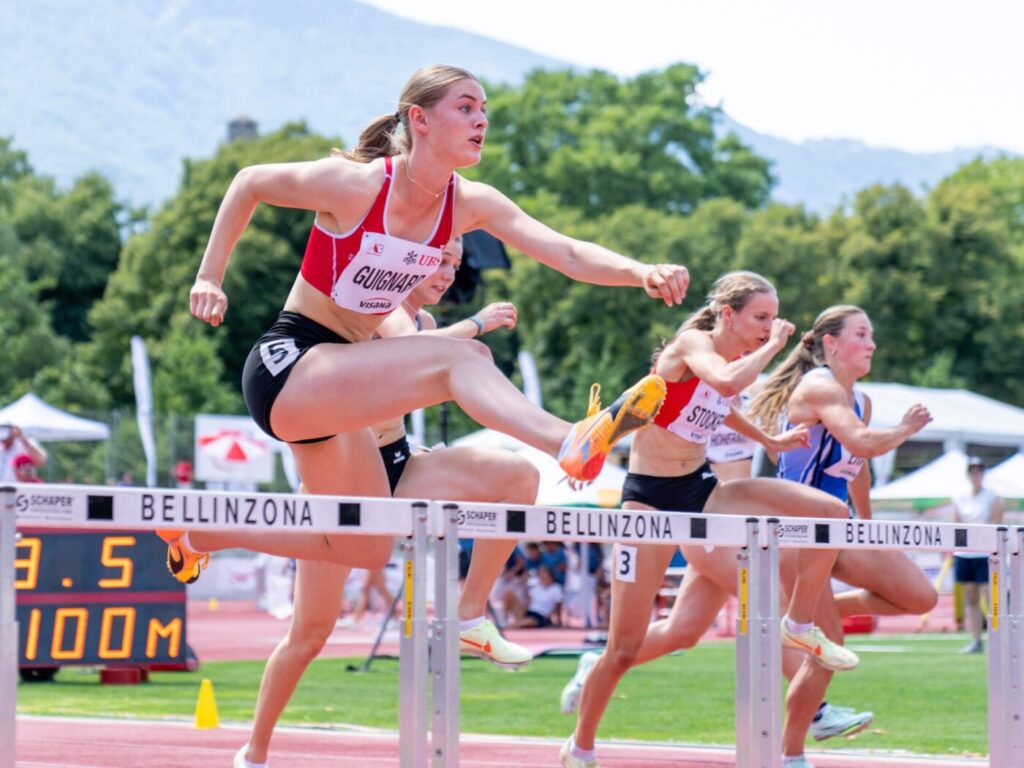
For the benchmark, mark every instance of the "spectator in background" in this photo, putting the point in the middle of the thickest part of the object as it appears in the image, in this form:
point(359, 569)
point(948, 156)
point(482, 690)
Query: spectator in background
point(465, 557)
point(531, 558)
point(183, 473)
point(510, 590)
point(14, 443)
point(374, 580)
point(25, 470)
point(552, 555)
point(545, 600)
point(982, 506)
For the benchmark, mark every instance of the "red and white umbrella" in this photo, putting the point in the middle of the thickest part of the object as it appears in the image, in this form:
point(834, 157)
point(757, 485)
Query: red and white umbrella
point(232, 445)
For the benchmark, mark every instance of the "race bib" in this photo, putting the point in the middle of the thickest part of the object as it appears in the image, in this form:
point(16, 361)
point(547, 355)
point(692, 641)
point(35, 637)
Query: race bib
point(847, 468)
point(625, 563)
point(383, 273)
point(702, 416)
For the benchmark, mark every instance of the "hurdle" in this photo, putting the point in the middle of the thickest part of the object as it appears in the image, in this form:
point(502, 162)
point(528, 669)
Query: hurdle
point(102, 507)
point(758, 646)
point(758, 540)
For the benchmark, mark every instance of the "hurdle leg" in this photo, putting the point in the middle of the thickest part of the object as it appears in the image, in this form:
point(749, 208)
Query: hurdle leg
point(412, 674)
point(8, 633)
point(444, 649)
point(998, 658)
point(759, 650)
point(1014, 723)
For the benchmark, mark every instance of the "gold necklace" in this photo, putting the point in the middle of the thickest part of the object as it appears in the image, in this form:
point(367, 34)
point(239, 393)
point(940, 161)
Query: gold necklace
point(435, 195)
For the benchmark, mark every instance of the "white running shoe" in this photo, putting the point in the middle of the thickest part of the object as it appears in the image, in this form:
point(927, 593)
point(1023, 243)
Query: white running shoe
point(797, 762)
point(570, 699)
point(814, 643)
point(569, 760)
point(486, 642)
point(241, 762)
point(840, 721)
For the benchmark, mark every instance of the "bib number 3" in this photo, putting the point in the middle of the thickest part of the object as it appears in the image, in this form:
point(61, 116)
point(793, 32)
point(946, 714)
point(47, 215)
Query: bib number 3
point(625, 563)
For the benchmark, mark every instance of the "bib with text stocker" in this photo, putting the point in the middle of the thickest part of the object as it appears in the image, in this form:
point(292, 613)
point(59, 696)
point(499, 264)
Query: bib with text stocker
point(693, 410)
point(383, 273)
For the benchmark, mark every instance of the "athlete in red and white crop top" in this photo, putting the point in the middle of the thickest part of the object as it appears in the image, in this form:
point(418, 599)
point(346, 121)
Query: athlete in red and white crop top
point(692, 410)
point(368, 270)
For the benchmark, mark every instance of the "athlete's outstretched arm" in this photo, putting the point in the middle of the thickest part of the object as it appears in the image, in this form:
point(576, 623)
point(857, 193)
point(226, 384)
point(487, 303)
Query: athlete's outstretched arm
point(797, 437)
point(692, 350)
point(587, 262)
point(830, 404)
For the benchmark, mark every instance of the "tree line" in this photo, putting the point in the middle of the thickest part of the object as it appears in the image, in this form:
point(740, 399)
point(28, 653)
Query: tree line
point(634, 164)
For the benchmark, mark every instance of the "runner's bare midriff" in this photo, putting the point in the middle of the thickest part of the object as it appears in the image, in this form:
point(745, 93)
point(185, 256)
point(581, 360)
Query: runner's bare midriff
point(308, 301)
point(663, 454)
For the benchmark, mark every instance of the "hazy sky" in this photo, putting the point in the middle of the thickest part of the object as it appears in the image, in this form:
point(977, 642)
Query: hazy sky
point(902, 73)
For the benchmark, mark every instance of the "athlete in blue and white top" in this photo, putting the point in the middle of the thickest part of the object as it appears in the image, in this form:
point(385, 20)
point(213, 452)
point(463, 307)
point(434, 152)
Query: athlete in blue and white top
point(825, 463)
point(815, 386)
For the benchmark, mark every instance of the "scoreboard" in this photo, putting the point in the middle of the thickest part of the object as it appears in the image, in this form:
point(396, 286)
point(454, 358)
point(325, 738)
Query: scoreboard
point(96, 598)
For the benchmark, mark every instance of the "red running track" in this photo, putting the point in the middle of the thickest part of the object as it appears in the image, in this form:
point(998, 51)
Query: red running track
point(238, 631)
point(86, 743)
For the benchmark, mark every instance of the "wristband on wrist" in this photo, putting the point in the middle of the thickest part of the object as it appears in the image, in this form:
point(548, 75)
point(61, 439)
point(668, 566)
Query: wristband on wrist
point(478, 322)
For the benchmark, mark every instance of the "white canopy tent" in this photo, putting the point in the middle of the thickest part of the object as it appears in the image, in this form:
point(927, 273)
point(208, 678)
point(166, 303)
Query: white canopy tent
point(605, 491)
point(945, 478)
point(959, 417)
point(40, 420)
point(1009, 472)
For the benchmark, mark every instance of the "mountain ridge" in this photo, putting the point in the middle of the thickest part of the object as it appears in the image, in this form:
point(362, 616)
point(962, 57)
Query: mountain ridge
point(170, 76)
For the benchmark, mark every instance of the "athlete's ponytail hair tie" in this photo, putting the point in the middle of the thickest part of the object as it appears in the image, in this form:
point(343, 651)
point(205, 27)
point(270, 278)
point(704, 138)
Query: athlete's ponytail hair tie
point(398, 116)
point(807, 339)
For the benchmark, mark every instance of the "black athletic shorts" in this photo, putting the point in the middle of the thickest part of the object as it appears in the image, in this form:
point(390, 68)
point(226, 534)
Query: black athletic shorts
point(271, 360)
point(683, 493)
point(970, 570)
point(395, 457)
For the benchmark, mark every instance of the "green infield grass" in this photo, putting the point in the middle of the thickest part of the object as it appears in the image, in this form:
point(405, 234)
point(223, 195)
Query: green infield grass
point(926, 697)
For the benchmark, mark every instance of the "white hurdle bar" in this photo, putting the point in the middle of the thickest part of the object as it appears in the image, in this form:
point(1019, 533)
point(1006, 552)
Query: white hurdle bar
point(498, 521)
point(102, 507)
point(758, 647)
point(758, 652)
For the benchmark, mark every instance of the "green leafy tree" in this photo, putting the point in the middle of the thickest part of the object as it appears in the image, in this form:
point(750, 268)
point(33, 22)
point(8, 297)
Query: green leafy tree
point(149, 290)
point(596, 143)
point(978, 244)
point(793, 249)
point(30, 342)
point(14, 166)
point(71, 243)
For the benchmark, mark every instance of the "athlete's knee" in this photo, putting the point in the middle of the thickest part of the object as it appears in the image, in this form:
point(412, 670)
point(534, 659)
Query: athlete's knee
point(922, 600)
point(376, 551)
point(685, 638)
point(305, 641)
point(523, 481)
point(477, 349)
point(837, 509)
point(380, 553)
point(621, 657)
